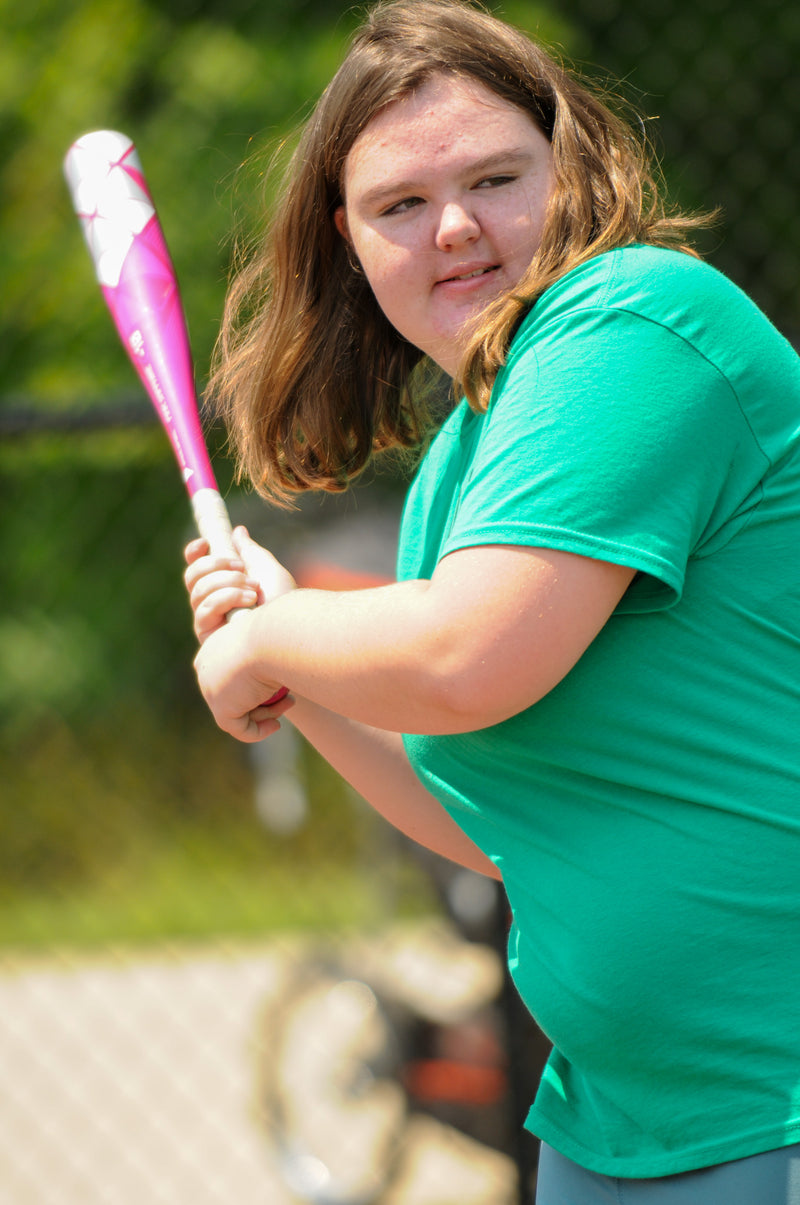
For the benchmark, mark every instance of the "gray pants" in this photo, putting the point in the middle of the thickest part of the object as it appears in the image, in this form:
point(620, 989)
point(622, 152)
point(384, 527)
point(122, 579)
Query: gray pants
point(769, 1179)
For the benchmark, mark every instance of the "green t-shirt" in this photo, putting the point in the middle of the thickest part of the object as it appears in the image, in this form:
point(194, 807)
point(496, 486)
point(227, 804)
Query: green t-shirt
point(645, 814)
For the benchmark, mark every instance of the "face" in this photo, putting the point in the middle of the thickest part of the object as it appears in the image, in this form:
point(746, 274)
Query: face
point(445, 195)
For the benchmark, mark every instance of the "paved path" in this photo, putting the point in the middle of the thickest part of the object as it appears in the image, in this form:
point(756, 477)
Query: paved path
point(130, 1082)
point(135, 1081)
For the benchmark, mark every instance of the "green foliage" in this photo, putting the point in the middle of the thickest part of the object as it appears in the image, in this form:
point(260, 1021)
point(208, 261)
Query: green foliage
point(720, 79)
point(193, 90)
point(204, 89)
point(93, 603)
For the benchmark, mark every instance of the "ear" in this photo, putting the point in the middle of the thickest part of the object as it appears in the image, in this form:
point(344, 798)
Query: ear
point(340, 221)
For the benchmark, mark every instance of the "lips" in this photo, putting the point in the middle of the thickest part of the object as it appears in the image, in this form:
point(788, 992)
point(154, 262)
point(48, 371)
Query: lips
point(469, 274)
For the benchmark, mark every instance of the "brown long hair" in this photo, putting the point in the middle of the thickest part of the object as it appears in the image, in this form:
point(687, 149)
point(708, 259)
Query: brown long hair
point(310, 377)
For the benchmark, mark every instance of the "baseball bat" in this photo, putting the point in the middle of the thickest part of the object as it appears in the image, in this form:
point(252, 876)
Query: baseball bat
point(138, 281)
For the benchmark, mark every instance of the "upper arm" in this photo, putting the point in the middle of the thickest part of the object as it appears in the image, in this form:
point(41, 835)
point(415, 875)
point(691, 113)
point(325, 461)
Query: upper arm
point(510, 622)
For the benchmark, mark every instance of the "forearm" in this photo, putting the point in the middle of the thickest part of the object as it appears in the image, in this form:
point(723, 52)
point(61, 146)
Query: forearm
point(374, 763)
point(491, 633)
point(376, 656)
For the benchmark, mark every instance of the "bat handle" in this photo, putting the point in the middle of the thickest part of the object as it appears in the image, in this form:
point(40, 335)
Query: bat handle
point(213, 523)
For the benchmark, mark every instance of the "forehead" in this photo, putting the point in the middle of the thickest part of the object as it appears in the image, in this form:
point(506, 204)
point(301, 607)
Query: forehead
point(448, 117)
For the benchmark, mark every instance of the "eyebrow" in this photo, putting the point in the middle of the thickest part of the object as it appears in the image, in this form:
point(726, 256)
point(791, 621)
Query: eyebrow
point(511, 157)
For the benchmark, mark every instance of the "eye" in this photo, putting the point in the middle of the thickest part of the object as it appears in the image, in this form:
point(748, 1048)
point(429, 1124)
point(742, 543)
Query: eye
point(403, 206)
point(495, 181)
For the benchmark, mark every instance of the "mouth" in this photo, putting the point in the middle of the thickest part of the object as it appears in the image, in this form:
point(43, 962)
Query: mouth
point(476, 272)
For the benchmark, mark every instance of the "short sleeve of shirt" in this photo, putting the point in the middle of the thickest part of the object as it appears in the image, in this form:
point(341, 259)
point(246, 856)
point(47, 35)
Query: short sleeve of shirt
point(609, 435)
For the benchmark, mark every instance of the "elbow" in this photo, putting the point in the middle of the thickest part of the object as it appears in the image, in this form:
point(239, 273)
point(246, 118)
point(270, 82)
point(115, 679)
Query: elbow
point(466, 694)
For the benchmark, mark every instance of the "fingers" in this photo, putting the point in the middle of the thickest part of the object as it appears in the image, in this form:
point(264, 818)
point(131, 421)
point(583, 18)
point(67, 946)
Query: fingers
point(194, 549)
point(273, 712)
point(221, 578)
point(255, 725)
point(216, 585)
point(255, 562)
point(249, 730)
point(210, 613)
point(200, 563)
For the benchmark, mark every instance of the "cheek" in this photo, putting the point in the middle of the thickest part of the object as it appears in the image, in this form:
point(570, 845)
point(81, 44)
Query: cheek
point(525, 229)
point(386, 267)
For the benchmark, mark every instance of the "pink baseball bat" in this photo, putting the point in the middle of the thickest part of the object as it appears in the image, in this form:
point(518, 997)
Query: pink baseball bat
point(138, 281)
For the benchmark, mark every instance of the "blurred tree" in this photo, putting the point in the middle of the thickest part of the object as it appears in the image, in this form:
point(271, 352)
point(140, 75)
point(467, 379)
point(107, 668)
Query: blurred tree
point(203, 86)
point(721, 78)
point(192, 92)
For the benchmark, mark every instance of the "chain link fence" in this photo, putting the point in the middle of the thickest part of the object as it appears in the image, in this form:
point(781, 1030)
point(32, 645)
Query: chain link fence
point(222, 979)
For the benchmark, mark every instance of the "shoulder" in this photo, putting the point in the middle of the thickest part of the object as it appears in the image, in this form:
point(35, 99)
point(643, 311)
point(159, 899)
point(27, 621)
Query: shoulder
point(650, 281)
point(637, 277)
point(616, 296)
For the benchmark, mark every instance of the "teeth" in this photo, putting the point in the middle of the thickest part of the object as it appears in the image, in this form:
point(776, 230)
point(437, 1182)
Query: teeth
point(469, 275)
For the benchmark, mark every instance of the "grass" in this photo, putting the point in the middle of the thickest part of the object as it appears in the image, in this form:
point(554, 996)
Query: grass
point(175, 898)
point(143, 832)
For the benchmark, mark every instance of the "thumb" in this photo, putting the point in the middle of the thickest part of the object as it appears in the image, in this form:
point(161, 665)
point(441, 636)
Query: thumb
point(260, 564)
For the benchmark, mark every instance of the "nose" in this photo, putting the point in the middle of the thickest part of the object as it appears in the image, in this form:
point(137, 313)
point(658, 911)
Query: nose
point(457, 224)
